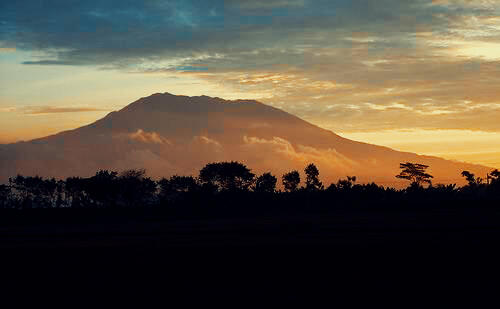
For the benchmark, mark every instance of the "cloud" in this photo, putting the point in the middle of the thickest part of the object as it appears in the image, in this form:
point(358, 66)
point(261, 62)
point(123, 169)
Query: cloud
point(280, 154)
point(266, 4)
point(51, 62)
point(7, 49)
point(154, 30)
point(42, 110)
point(148, 137)
point(8, 109)
point(346, 65)
point(208, 141)
point(188, 156)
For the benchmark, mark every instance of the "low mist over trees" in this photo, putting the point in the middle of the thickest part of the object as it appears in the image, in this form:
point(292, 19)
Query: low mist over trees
point(133, 189)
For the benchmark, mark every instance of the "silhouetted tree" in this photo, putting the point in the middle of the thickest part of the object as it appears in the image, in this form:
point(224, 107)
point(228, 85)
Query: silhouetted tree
point(227, 176)
point(176, 186)
point(495, 177)
point(34, 192)
point(5, 195)
point(265, 183)
point(60, 194)
point(291, 181)
point(494, 186)
point(135, 189)
point(471, 179)
point(76, 196)
point(312, 178)
point(346, 184)
point(103, 188)
point(21, 191)
point(415, 173)
point(450, 188)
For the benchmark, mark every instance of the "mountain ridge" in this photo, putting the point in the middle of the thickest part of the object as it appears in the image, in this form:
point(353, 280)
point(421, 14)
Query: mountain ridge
point(169, 134)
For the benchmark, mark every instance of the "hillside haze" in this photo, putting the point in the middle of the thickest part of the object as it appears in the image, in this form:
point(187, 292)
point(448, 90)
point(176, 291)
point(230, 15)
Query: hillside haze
point(168, 134)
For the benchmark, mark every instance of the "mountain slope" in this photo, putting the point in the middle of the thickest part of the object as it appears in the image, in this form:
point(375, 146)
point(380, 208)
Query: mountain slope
point(168, 134)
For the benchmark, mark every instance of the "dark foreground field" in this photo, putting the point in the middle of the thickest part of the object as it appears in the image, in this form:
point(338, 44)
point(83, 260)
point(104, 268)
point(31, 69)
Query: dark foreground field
point(145, 256)
point(150, 229)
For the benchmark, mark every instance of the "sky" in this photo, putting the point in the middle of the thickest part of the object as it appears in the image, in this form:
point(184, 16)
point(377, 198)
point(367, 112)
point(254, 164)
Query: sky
point(419, 75)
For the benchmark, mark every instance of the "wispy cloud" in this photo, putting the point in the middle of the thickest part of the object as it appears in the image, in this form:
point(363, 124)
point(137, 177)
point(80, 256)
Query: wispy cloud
point(148, 137)
point(7, 49)
point(41, 110)
point(8, 109)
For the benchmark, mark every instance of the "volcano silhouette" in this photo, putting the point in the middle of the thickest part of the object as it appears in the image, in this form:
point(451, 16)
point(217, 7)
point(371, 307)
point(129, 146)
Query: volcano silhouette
point(168, 134)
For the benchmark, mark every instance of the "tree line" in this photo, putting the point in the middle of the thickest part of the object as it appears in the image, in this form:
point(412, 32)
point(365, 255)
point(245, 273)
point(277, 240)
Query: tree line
point(134, 189)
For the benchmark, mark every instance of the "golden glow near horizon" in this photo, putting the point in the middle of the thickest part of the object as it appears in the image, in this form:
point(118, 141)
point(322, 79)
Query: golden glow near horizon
point(462, 145)
point(419, 76)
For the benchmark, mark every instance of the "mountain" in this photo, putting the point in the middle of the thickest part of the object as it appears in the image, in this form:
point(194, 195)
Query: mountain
point(168, 134)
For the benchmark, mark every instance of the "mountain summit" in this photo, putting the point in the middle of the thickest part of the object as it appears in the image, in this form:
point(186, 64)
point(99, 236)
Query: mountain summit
point(169, 134)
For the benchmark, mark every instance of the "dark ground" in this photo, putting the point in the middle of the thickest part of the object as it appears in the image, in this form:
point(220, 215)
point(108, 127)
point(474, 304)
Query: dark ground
point(145, 257)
